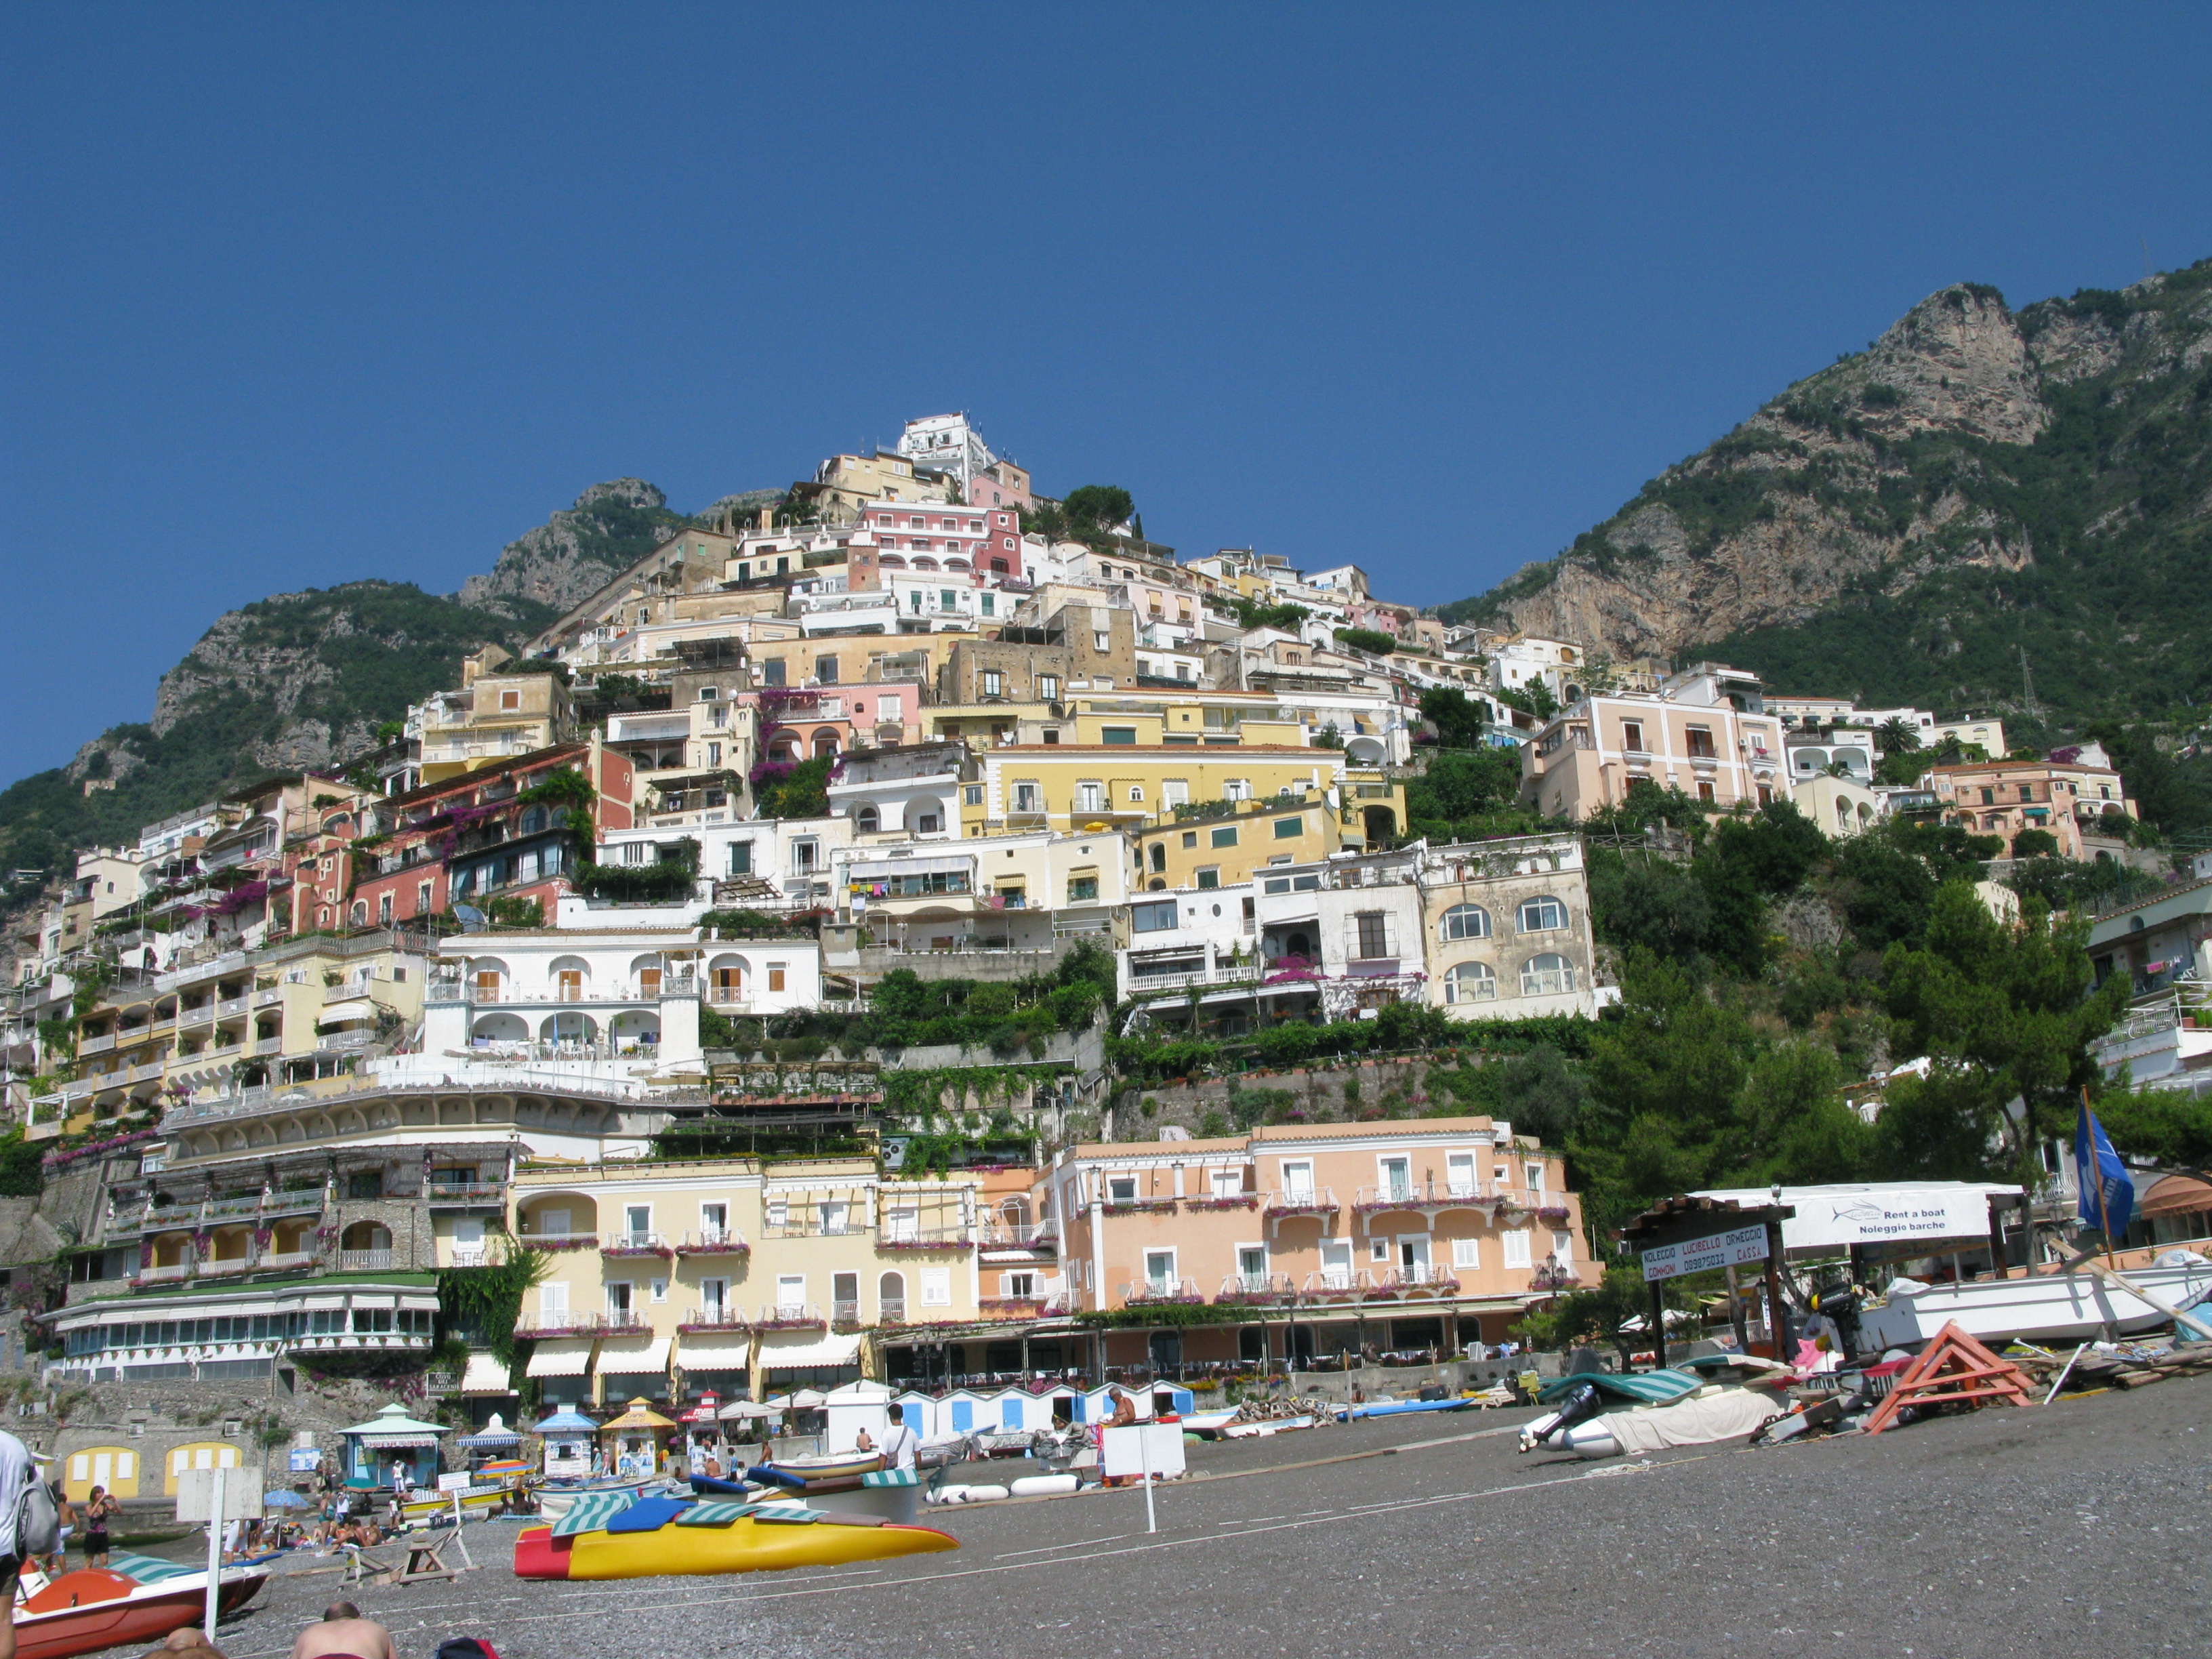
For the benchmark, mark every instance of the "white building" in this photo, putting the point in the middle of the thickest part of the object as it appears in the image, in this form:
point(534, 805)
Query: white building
point(1016, 892)
point(786, 859)
point(909, 792)
point(947, 444)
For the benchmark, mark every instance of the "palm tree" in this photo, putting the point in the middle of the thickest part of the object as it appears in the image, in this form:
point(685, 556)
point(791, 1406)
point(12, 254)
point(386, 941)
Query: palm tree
point(1896, 735)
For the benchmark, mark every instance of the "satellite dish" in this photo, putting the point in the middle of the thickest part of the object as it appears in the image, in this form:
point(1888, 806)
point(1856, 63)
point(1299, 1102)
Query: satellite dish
point(471, 919)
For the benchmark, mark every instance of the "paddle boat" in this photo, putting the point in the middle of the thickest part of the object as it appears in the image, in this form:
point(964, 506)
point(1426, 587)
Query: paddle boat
point(138, 1601)
point(612, 1535)
point(840, 1472)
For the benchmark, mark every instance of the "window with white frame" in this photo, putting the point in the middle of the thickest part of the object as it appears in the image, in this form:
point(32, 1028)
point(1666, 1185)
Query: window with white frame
point(1227, 1183)
point(1467, 1253)
point(1298, 1180)
point(1466, 921)
point(1563, 1248)
point(1029, 797)
point(1470, 981)
point(1121, 1189)
point(1542, 915)
point(1532, 1175)
point(1236, 789)
point(1175, 791)
point(1090, 796)
point(1160, 1272)
point(1459, 1174)
point(937, 1287)
point(1548, 976)
point(1515, 1242)
point(790, 1291)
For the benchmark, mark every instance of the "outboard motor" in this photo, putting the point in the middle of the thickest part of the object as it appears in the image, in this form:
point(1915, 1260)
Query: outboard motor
point(1841, 1305)
point(1577, 1405)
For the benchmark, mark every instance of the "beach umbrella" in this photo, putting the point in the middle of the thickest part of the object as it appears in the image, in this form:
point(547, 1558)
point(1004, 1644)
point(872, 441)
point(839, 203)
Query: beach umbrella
point(283, 1499)
point(745, 1409)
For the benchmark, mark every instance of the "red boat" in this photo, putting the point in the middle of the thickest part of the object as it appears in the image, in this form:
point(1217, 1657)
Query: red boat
point(92, 1608)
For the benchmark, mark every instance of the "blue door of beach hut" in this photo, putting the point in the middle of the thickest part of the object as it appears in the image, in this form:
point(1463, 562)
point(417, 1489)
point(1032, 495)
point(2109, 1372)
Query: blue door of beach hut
point(964, 1416)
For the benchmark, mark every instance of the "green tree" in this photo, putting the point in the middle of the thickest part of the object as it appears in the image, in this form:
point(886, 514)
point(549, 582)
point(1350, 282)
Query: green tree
point(1653, 903)
point(1465, 784)
point(1459, 720)
point(1896, 735)
point(2005, 1013)
point(1372, 641)
point(1101, 507)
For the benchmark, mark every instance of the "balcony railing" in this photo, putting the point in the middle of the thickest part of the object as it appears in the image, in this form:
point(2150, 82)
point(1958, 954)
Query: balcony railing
point(621, 1321)
point(561, 1321)
point(845, 1316)
point(1160, 1291)
point(1422, 1280)
point(283, 1261)
point(364, 1261)
point(559, 1241)
point(1301, 1200)
point(635, 1244)
point(897, 1237)
point(891, 1310)
point(1422, 1195)
point(791, 1316)
point(464, 1192)
point(224, 1266)
point(714, 1241)
point(715, 1317)
point(1336, 1285)
point(1257, 1289)
point(1041, 1235)
point(169, 1274)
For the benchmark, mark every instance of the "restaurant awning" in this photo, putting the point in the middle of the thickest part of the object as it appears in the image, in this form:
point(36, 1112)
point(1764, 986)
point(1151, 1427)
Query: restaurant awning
point(560, 1356)
point(714, 1353)
point(2177, 1194)
point(789, 1350)
point(637, 1355)
point(867, 870)
point(485, 1375)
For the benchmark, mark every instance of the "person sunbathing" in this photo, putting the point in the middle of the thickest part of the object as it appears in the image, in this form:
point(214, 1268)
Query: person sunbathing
point(344, 1634)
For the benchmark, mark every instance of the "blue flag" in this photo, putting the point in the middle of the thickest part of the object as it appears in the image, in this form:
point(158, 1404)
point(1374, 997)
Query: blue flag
point(2098, 1166)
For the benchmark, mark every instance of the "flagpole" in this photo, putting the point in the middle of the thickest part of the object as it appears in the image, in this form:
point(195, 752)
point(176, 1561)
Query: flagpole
point(2097, 1163)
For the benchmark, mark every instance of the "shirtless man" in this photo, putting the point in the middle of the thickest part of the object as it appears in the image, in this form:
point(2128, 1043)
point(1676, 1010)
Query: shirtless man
point(344, 1634)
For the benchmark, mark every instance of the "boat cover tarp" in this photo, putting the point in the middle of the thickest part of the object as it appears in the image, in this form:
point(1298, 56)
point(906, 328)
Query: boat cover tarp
point(592, 1510)
point(1640, 1387)
point(1723, 1414)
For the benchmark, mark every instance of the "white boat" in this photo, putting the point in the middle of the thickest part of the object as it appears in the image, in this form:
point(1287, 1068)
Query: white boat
point(1273, 1426)
point(1208, 1424)
point(2045, 1308)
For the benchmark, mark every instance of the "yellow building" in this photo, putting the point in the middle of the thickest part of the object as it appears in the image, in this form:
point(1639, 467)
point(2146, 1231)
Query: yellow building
point(493, 716)
point(737, 1275)
point(1227, 846)
point(1120, 781)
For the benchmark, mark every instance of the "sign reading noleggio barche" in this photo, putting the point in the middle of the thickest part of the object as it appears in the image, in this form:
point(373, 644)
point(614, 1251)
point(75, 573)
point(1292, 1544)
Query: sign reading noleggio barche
point(1697, 1255)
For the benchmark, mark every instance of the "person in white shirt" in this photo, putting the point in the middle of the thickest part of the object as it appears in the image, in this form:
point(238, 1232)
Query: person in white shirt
point(16, 1472)
point(900, 1442)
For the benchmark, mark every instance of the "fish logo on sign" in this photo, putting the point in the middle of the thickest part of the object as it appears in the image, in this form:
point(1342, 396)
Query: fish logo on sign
point(1862, 1211)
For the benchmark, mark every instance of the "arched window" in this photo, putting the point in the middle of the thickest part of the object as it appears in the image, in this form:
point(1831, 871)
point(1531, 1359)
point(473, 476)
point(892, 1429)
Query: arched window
point(360, 913)
point(825, 743)
point(1467, 922)
point(1548, 976)
point(1542, 915)
point(534, 819)
point(868, 820)
point(890, 1297)
point(1137, 791)
point(1471, 982)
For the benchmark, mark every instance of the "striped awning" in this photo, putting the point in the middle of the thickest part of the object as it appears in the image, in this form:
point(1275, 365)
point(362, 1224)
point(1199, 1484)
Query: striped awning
point(807, 1348)
point(485, 1375)
point(713, 1352)
point(560, 1356)
point(396, 1441)
point(636, 1355)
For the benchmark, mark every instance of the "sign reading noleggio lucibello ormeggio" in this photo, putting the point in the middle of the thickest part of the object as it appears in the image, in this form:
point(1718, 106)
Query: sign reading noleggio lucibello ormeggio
point(1696, 1256)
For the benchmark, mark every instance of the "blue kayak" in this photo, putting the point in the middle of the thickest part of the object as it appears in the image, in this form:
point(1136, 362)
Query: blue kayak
point(1399, 1408)
point(707, 1486)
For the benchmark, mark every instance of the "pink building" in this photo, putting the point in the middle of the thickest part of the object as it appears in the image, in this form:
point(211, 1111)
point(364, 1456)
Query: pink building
point(931, 536)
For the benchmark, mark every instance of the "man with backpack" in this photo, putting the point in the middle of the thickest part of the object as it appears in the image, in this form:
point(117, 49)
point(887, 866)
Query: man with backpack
point(30, 1524)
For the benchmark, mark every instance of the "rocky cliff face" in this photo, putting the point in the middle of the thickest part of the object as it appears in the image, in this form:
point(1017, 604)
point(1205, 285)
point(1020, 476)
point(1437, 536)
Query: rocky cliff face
point(572, 554)
point(1943, 450)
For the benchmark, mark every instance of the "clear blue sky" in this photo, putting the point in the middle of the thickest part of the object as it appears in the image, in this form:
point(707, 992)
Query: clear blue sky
point(299, 293)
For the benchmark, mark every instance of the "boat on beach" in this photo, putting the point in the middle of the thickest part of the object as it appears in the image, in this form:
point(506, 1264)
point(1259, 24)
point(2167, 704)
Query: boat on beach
point(1266, 1426)
point(94, 1607)
point(2042, 1308)
point(611, 1536)
point(808, 1475)
point(1398, 1408)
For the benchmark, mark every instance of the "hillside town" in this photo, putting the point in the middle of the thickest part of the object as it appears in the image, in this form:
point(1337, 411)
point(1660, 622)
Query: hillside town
point(763, 950)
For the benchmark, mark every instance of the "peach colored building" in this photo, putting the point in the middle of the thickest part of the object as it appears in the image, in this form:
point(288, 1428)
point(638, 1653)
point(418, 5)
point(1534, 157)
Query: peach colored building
point(1393, 1237)
point(2074, 794)
point(1704, 732)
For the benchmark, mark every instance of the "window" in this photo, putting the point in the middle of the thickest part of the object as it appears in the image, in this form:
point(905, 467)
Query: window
point(868, 820)
point(2028, 791)
point(1705, 791)
point(1397, 1177)
point(1236, 789)
point(1700, 741)
point(1083, 890)
point(994, 682)
point(1548, 976)
point(1532, 1176)
point(714, 754)
point(1190, 838)
point(1224, 835)
point(1121, 1189)
point(1466, 921)
point(1159, 858)
point(1631, 736)
point(1137, 793)
point(741, 858)
point(1175, 791)
point(1152, 918)
point(1226, 1183)
point(791, 1290)
point(1293, 884)
point(1119, 736)
point(1989, 797)
point(1100, 642)
point(990, 604)
point(825, 670)
point(1542, 915)
point(937, 1287)
point(1285, 829)
point(1298, 1180)
point(1467, 1253)
point(772, 671)
point(1028, 797)
point(1371, 934)
point(775, 974)
point(1516, 1242)
point(1160, 1272)
point(971, 794)
point(1047, 686)
point(1090, 797)
point(1471, 982)
point(384, 910)
point(510, 700)
point(1562, 1248)
point(1210, 875)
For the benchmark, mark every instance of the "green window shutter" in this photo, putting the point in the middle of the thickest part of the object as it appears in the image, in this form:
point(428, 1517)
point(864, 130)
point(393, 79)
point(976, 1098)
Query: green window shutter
point(1287, 828)
point(1123, 735)
point(1225, 836)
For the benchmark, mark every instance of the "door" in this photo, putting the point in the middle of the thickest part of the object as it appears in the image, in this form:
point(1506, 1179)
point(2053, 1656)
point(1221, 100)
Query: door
point(845, 1295)
point(487, 985)
point(729, 985)
point(1397, 1177)
point(714, 1223)
point(1414, 1258)
point(1159, 1270)
point(791, 1291)
point(1298, 1180)
point(553, 1302)
point(638, 1222)
point(1252, 1267)
point(553, 1223)
point(903, 1222)
point(571, 985)
point(618, 1301)
point(648, 984)
point(1459, 1168)
point(833, 1214)
point(468, 1242)
point(713, 1296)
point(1336, 1263)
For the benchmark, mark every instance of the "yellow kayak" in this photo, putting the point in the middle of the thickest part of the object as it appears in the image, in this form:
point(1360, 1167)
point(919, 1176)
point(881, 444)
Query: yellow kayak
point(654, 1536)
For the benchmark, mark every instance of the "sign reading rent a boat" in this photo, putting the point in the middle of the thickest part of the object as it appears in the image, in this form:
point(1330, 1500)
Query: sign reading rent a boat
point(1697, 1254)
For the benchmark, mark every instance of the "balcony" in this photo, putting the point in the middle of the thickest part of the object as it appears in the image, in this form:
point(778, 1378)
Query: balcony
point(625, 1322)
point(558, 1241)
point(714, 1241)
point(365, 1261)
point(635, 1244)
point(995, 1234)
point(845, 1316)
point(224, 1266)
point(1159, 1204)
point(791, 1316)
point(269, 1045)
point(1337, 1284)
point(1300, 1200)
point(95, 1045)
point(269, 996)
point(286, 1260)
point(897, 1237)
point(558, 1322)
point(229, 1007)
point(174, 1273)
point(465, 1191)
point(1421, 1279)
point(1421, 1195)
point(1257, 1289)
point(1161, 1292)
point(891, 1310)
point(715, 1317)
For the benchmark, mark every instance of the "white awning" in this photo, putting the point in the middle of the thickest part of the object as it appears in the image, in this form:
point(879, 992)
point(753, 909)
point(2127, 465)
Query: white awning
point(713, 1352)
point(485, 1375)
point(868, 869)
point(633, 1355)
point(353, 1008)
point(561, 1355)
point(789, 1350)
point(398, 1441)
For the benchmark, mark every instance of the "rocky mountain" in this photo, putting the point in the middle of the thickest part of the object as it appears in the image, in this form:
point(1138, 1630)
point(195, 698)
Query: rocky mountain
point(304, 680)
point(1904, 524)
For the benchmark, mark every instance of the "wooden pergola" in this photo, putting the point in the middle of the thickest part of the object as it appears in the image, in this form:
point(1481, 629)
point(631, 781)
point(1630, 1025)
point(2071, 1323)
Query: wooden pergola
point(1686, 1219)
